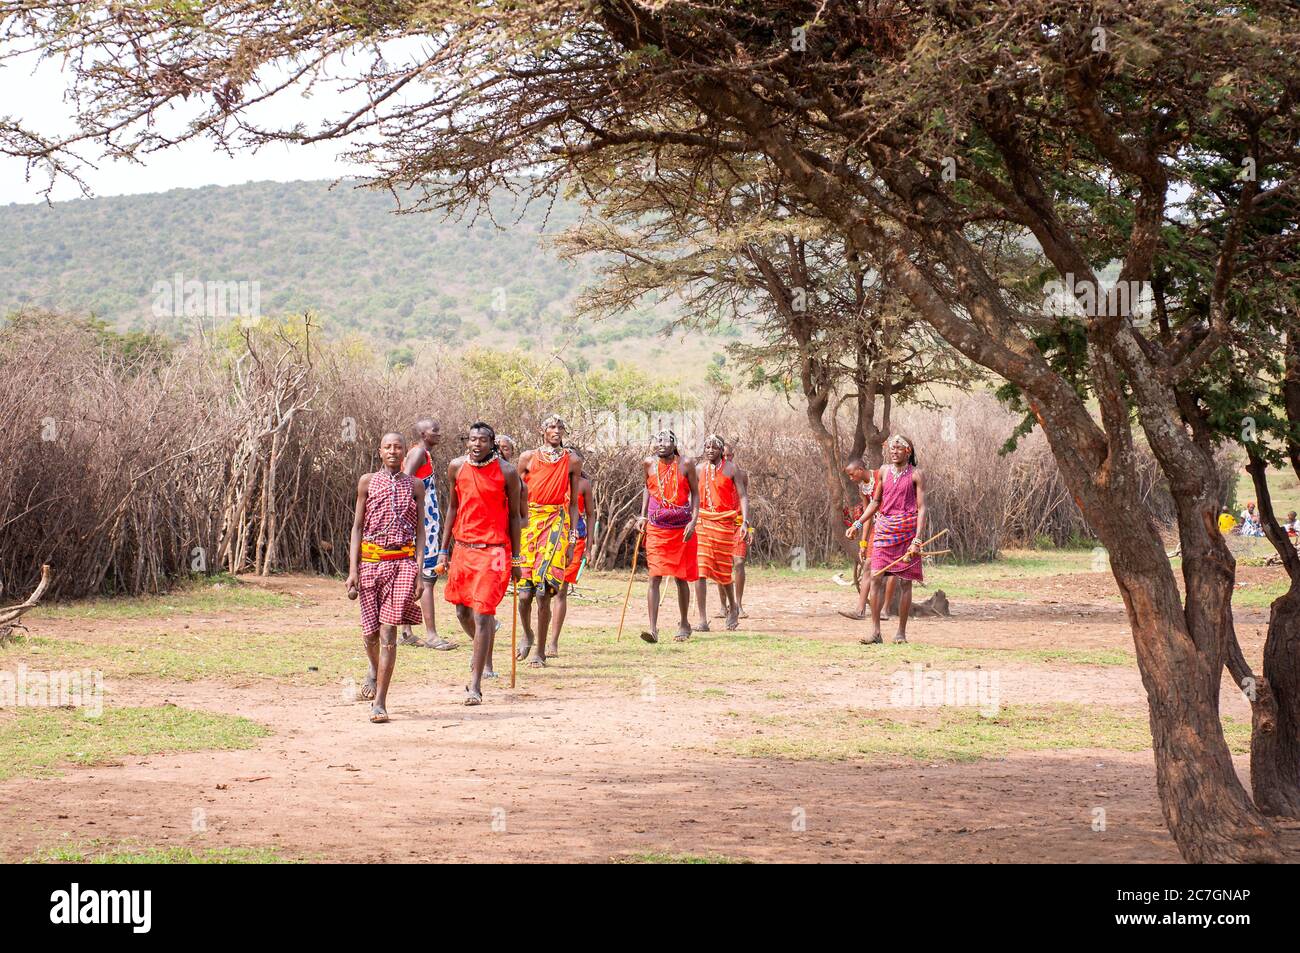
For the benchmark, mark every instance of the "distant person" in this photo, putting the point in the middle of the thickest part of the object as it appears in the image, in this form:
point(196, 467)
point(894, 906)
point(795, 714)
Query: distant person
point(1250, 525)
point(724, 512)
point(1292, 527)
point(898, 506)
point(669, 509)
point(864, 528)
point(419, 464)
point(741, 551)
point(551, 472)
point(1227, 522)
point(386, 531)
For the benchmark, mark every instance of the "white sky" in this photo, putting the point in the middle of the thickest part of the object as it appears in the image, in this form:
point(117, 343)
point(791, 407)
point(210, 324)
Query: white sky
point(35, 95)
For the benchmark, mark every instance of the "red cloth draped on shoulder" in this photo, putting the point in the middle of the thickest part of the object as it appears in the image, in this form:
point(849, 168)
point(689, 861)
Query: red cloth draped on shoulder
point(548, 483)
point(480, 557)
point(667, 552)
point(719, 525)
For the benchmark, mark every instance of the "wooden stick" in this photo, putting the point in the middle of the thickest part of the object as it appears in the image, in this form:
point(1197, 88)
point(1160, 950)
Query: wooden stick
point(514, 628)
point(885, 569)
point(636, 550)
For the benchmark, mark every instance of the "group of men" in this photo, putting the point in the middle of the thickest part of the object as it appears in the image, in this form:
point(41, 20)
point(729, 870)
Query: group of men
point(522, 519)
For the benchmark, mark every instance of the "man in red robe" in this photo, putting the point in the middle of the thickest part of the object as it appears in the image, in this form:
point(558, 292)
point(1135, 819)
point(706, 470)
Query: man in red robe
point(670, 506)
point(483, 523)
point(724, 519)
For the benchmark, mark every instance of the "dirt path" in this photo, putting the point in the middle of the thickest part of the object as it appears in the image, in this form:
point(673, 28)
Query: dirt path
point(587, 770)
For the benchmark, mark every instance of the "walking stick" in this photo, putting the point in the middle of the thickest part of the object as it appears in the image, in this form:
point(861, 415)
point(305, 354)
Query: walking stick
point(514, 628)
point(885, 569)
point(636, 550)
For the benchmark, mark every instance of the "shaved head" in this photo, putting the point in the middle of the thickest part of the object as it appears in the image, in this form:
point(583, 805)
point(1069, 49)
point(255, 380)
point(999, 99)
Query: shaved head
point(392, 434)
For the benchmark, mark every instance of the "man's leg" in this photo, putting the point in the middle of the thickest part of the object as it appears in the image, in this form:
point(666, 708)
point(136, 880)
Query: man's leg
point(877, 596)
point(652, 605)
point(729, 600)
point(483, 628)
point(372, 653)
point(738, 575)
point(904, 607)
point(387, 659)
point(432, 639)
point(683, 610)
point(702, 597)
point(543, 623)
point(526, 617)
point(561, 610)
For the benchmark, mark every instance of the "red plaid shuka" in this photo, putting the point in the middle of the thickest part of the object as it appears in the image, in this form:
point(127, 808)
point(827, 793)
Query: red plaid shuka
point(387, 586)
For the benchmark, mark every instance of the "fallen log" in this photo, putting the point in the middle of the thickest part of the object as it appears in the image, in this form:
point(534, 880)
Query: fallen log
point(10, 615)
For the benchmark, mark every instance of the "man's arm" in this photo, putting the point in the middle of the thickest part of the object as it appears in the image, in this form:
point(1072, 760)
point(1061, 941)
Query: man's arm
point(575, 474)
point(589, 503)
point(414, 457)
point(688, 470)
point(919, 479)
point(449, 519)
point(421, 535)
point(358, 524)
point(645, 496)
point(513, 484)
point(741, 479)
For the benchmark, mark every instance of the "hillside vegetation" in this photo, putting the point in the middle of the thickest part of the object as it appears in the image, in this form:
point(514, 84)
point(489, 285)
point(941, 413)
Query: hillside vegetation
point(398, 280)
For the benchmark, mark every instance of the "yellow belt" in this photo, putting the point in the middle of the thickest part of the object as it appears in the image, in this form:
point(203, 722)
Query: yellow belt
point(374, 553)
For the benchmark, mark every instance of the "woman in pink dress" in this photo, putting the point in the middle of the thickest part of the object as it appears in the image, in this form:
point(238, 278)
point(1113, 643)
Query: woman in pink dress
point(898, 505)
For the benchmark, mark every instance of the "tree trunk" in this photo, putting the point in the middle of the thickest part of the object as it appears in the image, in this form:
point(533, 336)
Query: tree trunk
point(1180, 657)
point(1275, 753)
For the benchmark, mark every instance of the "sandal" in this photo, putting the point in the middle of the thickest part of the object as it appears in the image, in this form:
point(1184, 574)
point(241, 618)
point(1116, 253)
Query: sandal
point(473, 698)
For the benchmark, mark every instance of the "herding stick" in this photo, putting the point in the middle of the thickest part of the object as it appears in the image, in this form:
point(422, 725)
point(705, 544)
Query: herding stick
point(885, 569)
point(514, 629)
point(636, 551)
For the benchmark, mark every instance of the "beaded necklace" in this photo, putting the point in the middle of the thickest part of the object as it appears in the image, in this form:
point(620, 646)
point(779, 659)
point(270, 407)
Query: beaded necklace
point(659, 478)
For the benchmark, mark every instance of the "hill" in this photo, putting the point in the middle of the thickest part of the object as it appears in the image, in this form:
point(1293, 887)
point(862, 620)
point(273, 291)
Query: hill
point(397, 280)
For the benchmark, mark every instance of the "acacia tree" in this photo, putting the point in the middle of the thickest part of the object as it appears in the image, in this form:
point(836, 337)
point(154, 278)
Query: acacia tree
point(917, 130)
point(823, 319)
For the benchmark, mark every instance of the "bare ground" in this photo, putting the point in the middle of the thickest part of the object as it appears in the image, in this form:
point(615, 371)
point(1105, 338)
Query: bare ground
point(583, 767)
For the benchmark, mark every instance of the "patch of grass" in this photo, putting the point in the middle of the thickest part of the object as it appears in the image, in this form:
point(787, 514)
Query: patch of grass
point(136, 854)
point(954, 734)
point(658, 857)
point(193, 597)
point(38, 742)
point(1259, 596)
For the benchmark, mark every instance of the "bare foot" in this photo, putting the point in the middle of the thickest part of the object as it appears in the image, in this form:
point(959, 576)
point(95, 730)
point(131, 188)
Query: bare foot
point(733, 620)
point(378, 715)
point(367, 688)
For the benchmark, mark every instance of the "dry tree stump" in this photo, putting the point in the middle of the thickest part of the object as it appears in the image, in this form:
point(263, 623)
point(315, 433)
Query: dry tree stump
point(9, 616)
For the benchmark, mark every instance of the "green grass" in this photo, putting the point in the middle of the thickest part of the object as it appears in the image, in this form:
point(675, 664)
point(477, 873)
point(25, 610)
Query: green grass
point(136, 854)
point(38, 742)
point(204, 595)
point(657, 857)
point(1259, 596)
point(1283, 488)
point(954, 734)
